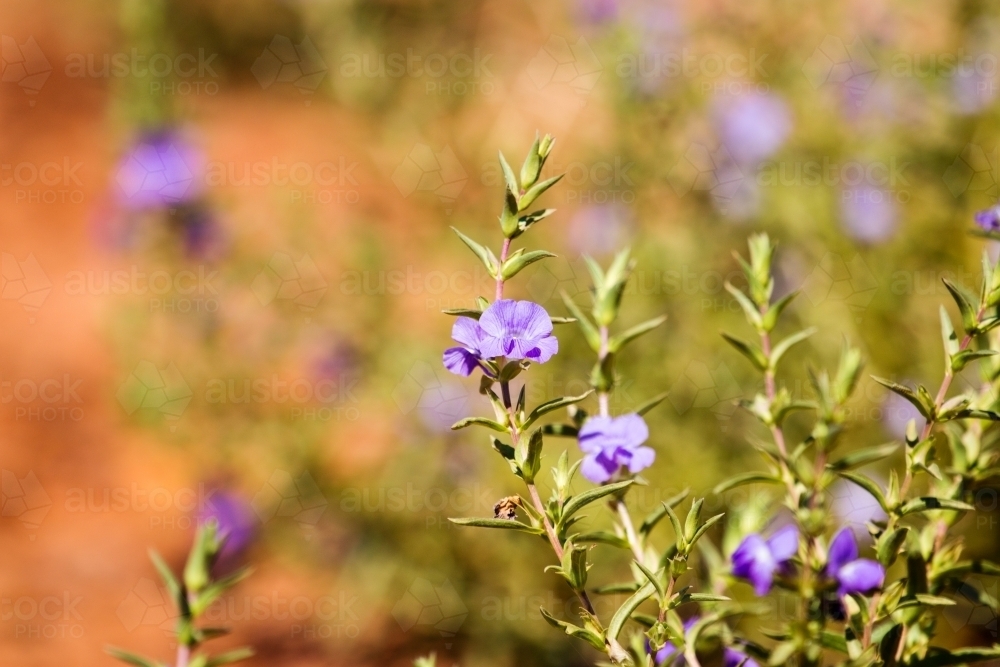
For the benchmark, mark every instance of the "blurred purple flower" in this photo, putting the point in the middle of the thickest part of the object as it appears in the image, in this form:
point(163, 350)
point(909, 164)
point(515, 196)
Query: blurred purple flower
point(598, 11)
point(989, 220)
point(201, 234)
point(853, 574)
point(973, 88)
point(600, 229)
point(869, 213)
point(160, 170)
point(753, 126)
point(235, 519)
point(757, 559)
point(610, 443)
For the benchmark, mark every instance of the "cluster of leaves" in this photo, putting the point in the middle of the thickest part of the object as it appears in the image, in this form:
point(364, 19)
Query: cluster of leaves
point(193, 593)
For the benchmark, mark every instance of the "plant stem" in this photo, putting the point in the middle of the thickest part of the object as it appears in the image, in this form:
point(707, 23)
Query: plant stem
point(183, 655)
point(630, 534)
point(602, 397)
point(503, 258)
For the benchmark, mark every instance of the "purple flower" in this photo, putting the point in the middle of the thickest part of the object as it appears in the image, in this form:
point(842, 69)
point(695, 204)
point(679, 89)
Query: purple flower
point(730, 656)
point(159, 171)
point(236, 522)
point(465, 359)
point(754, 126)
point(989, 220)
point(512, 329)
point(610, 443)
point(869, 213)
point(853, 574)
point(757, 559)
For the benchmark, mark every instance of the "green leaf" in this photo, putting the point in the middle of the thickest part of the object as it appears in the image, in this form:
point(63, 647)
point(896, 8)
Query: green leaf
point(588, 636)
point(602, 537)
point(503, 524)
point(939, 657)
point(653, 579)
point(948, 335)
point(656, 515)
point(906, 393)
point(711, 521)
point(531, 459)
point(751, 352)
point(589, 330)
point(770, 318)
point(615, 589)
point(749, 309)
point(484, 255)
point(479, 421)
point(217, 588)
point(554, 404)
point(621, 340)
point(888, 545)
point(578, 502)
point(745, 478)
point(527, 221)
point(132, 658)
point(169, 580)
point(785, 345)
point(643, 408)
point(964, 302)
point(536, 190)
point(863, 457)
point(508, 176)
point(514, 265)
point(833, 641)
point(869, 485)
point(463, 312)
point(962, 359)
point(230, 656)
point(628, 607)
point(929, 503)
point(532, 164)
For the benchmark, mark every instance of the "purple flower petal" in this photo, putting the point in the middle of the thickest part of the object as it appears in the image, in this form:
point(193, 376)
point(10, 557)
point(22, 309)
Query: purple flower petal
point(784, 543)
point(753, 561)
point(591, 433)
point(460, 361)
point(544, 350)
point(664, 654)
point(860, 576)
point(843, 550)
point(733, 658)
point(596, 468)
point(467, 332)
point(642, 458)
point(517, 330)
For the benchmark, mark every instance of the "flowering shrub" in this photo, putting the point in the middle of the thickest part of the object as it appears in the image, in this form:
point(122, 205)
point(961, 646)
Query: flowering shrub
point(854, 608)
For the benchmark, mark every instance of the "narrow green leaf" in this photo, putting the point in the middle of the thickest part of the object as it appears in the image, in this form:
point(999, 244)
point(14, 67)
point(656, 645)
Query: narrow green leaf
point(479, 421)
point(536, 190)
point(745, 478)
point(863, 457)
point(948, 335)
point(643, 408)
point(781, 348)
point(463, 312)
point(514, 265)
point(929, 503)
point(554, 404)
point(602, 537)
point(906, 393)
point(503, 524)
point(588, 636)
point(770, 318)
point(621, 340)
point(628, 607)
point(656, 515)
point(653, 579)
point(230, 657)
point(529, 220)
point(578, 502)
point(132, 658)
point(751, 352)
point(869, 485)
point(589, 330)
point(964, 302)
point(749, 309)
point(484, 255)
